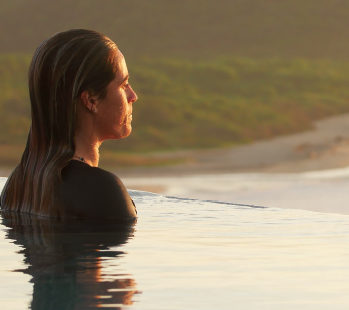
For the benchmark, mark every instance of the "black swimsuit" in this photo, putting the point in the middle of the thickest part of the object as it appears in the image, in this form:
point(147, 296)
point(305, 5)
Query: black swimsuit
point(94, 193)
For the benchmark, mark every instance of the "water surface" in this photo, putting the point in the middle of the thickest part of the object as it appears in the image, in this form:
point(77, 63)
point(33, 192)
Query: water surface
point(181, 254)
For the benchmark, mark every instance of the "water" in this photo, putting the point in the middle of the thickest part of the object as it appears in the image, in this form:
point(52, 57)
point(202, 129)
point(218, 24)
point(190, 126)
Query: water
point(181, 254)
point(323, 191)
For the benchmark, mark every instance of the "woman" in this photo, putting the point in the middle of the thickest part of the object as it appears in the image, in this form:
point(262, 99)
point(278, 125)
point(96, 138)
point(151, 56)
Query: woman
point(80, 96)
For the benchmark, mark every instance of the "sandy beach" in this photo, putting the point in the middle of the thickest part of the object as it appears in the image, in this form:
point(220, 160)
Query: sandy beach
point(326, 146)
point(308, 170)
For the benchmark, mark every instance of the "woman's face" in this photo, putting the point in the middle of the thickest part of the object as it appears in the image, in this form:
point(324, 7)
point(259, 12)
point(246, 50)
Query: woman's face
point(114, 111)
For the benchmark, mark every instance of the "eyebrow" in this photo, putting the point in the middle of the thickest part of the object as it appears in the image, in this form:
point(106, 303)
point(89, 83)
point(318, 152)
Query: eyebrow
point(125, 79)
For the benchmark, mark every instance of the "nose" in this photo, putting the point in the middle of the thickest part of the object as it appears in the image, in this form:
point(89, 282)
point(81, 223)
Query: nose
point(132, 97)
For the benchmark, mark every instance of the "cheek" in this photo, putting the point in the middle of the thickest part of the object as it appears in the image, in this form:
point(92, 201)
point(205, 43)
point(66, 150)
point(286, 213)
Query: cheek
point(117, 109)
point(123, 110)
point(121, 119)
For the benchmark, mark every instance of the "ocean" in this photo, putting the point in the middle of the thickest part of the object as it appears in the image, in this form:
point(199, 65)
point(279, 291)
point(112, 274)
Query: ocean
point(231, 241)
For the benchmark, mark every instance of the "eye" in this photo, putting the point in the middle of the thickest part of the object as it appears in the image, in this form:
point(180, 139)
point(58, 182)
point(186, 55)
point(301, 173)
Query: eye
point(126, 85)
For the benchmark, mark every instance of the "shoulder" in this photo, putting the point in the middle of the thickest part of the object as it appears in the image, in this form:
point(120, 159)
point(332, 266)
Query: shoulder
point(95, 178)
point(93, 192)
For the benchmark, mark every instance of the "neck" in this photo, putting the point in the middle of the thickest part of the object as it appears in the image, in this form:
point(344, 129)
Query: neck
point(87, 148)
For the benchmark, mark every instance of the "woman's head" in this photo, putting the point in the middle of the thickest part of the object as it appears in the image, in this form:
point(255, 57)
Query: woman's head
point(62, 68)
point(74, 76)
point(110, 116)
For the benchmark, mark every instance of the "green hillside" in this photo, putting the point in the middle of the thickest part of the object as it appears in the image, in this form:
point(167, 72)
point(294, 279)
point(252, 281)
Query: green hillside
point(197, 28)
point(197, 104)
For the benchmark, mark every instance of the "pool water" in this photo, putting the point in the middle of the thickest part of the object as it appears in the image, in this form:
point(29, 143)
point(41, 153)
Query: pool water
point(181, 254)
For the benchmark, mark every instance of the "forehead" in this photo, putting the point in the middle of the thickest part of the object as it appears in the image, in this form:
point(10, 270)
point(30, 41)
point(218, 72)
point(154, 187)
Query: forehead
point(121, 67)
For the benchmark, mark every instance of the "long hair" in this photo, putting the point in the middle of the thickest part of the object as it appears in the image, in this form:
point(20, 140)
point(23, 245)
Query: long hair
point(62, 68)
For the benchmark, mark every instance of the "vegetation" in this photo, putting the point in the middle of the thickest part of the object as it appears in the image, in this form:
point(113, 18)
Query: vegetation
point(199, 104)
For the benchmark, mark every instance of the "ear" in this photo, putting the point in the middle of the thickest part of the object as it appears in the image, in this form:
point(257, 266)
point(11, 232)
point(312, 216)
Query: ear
point(89, 101)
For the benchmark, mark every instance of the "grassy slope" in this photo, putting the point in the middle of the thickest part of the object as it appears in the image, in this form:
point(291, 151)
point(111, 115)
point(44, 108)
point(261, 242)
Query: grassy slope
point(231, 100)
point(191, 104)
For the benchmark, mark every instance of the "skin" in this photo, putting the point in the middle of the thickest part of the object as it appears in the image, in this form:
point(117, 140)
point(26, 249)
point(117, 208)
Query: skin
point(107, 118)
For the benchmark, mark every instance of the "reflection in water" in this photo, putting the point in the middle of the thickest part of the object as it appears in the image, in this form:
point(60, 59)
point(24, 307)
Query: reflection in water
point(65, 261)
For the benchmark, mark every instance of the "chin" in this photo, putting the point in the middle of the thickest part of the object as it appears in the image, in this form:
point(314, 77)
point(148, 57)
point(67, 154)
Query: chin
point(125, 133)
point(118, 135)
